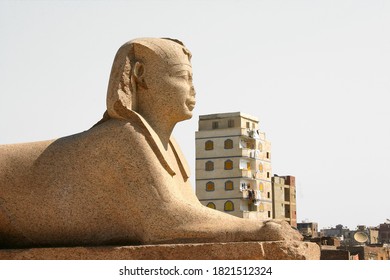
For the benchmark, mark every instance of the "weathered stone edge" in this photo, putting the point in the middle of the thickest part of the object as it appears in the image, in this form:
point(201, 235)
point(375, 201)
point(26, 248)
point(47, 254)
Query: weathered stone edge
point(277, 250)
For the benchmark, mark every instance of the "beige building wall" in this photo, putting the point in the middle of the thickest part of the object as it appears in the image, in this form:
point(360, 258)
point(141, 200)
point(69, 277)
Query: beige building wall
point(233, 165)
point(284, 199)
point(278, 198)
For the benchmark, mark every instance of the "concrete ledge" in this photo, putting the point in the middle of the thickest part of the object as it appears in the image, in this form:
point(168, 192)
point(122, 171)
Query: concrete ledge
point(278, 250)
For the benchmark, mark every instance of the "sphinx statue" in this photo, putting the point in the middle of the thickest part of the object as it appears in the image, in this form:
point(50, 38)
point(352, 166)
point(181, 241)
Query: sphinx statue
point(124, 181)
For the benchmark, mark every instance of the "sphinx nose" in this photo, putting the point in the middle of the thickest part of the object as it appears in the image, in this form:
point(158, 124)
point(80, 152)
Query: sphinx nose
point(193, 93)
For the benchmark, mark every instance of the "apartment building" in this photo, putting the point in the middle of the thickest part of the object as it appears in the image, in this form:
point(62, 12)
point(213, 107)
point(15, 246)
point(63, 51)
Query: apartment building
point(233, 165)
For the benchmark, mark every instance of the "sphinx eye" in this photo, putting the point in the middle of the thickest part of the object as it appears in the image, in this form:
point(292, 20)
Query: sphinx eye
point(184, 74)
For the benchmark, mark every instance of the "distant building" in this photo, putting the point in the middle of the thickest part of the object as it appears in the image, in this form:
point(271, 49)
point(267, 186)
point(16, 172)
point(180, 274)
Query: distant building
point(339, 231)
point(370, 252)
point(354, 253)
point(363, 243)
point(361, 235)
point(384, 233)
point(284, 205)
point(233, 166)
point(308, 229)
point(326, 241)
point(336, 254)
point(373, 235)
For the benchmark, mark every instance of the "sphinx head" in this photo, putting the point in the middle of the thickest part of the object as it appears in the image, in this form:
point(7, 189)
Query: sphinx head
point(151, 75)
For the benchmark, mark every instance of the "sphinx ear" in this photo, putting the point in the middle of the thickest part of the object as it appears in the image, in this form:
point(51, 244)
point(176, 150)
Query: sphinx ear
point(139, 74)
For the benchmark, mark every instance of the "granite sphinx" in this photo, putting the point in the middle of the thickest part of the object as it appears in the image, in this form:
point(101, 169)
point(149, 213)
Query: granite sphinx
point(124, 181)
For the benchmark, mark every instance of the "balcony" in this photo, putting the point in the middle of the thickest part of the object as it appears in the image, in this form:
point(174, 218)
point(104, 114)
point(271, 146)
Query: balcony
point(251, 153)
point(252, 175)
point(253, 133)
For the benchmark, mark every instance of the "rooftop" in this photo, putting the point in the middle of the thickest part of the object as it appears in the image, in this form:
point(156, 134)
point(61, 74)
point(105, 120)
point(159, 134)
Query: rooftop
point(228, 115)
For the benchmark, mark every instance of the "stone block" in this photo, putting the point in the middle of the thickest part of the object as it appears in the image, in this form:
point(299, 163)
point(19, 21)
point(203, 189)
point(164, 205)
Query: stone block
point(274, 250)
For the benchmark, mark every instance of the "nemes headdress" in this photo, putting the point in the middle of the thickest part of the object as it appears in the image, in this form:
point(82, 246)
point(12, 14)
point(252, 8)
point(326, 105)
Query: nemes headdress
point(122, 86)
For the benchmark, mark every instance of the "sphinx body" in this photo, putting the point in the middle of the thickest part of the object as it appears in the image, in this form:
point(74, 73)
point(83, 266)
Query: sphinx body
point(108, 185)
point(121, 182)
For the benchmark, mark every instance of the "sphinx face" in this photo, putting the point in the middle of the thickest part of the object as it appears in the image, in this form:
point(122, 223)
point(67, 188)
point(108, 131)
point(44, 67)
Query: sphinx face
point(170, 91)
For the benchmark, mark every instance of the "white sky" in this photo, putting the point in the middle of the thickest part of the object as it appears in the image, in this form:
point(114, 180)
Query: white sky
point(316, 74)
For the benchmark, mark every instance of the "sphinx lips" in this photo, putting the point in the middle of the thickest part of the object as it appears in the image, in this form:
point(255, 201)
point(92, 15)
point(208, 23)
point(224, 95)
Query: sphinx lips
point(191, 105)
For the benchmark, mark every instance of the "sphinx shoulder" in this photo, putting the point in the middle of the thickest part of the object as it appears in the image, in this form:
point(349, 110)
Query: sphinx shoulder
point(124, 139)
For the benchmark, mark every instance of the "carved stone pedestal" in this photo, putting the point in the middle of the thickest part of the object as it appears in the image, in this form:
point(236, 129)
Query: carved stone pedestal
point(278, 250)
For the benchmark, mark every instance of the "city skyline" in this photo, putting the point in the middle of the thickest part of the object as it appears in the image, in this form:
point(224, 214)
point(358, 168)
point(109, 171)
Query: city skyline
point(316, 74)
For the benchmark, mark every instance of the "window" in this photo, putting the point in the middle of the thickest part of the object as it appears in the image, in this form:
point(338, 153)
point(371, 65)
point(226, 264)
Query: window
point(228, 185)
point(248, 166)
point(267, 174)
point(261, 207)
point(209, 145)
point(211, 205)
point(253, 126)
point(228, 165)
point(210, 186)
point(261, 187)
point(261, 168)
point(248, 125)
point(215, 125)
point(229, 206)
point(260, 147)
point(209, 166)
point(228, 144)
point(269, 214)
point(267, 154)
point(230, 123)
point(247, 144)
point(268, 194)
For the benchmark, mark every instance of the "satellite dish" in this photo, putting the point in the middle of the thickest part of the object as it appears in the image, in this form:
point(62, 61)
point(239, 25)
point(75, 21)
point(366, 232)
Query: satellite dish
point(360, 236)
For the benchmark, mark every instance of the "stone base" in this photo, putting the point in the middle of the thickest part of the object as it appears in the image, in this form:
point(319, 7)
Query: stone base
point(277, 250)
